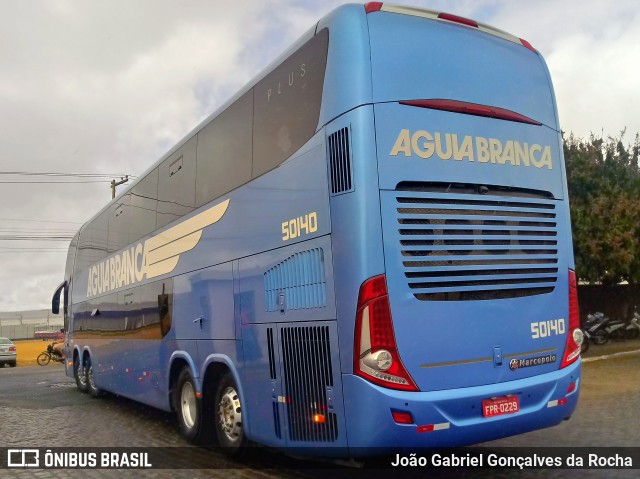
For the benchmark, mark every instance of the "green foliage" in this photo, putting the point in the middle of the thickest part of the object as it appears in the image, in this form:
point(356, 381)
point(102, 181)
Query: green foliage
point(604, 193)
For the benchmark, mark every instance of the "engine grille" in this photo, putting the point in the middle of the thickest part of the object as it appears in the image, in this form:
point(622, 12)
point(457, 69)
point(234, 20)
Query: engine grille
point(306, 361)
point(458, 247)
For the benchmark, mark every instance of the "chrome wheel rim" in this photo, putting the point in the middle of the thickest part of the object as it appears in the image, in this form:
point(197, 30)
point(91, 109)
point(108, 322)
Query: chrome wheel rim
point(82, 379)
point(188, 404)
point(92, 384)
point(230, 414)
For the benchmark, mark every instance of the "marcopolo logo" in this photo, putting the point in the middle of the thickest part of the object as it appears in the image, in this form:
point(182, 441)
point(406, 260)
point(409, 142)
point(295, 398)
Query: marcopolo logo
point(516, 364)
point(447, 146)
point(154, 257)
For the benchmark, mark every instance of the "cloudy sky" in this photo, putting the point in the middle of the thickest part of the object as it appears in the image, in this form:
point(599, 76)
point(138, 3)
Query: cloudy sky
point(107, 87)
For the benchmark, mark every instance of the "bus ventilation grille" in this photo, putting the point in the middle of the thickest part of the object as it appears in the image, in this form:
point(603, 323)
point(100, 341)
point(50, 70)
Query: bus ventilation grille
point(340, 161)
point(272, 359)
point(458, 247)
point(298, 282)
point(306, 360)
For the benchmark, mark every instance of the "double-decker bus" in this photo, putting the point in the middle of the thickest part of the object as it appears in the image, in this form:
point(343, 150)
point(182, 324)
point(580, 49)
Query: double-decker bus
point(367, 248)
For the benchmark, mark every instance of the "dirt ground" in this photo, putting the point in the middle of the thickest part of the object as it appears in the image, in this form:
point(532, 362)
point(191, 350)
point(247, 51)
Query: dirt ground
point(28, 351)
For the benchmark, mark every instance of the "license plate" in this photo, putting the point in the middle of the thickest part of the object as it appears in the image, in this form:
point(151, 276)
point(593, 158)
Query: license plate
point(500, 406)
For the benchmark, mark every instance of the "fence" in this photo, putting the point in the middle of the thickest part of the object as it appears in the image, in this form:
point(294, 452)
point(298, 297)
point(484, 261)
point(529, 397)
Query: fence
point(616, 301)
point(24, 324)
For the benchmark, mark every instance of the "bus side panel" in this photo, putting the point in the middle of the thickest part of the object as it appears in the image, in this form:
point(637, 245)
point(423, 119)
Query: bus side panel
point(203, 304)
point(287, 311)
point(357, 231)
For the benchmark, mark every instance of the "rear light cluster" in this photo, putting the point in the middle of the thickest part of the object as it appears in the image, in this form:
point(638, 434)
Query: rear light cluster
point(371, 7)
point(471, 109)
point(376, 357)
point(12, 348)
point(575, 336)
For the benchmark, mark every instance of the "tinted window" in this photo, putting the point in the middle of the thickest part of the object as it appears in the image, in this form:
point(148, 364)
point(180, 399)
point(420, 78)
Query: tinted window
point(176, 184)
point(287, 104)
point(119, 221)
point(143, 205)
point(71, 256)
point(92, 246)
point(224, 151)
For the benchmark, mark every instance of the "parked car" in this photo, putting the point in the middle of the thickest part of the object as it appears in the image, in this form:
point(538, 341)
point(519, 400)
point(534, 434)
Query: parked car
point(7, 352)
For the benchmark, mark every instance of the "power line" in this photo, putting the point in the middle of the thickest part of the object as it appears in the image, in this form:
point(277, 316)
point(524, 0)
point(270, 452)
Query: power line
point(43, 221)
point(35, 238)
point(51, 182)
point(74, 175)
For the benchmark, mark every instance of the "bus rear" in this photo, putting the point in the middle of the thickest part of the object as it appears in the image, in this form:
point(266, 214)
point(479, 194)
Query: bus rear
point(469, 332)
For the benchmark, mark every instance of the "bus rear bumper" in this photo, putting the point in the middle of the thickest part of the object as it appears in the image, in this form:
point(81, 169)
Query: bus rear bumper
point(453, 417)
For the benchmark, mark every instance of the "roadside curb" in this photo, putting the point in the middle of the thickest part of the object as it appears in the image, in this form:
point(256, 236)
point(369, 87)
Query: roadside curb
point(610, 356)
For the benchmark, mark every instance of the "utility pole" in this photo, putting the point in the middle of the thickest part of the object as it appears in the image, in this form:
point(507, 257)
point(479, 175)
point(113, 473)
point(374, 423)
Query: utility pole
point(115, 183)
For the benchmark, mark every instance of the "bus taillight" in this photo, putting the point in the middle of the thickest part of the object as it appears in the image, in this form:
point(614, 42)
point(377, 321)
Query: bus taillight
point(575, 336)
point(456, 19)
point(376, 355)
point(371, 7)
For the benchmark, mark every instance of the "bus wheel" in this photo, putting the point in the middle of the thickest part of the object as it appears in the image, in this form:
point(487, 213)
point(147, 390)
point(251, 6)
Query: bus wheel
point(79, 375)
point(229, 417)
point(93, 390)
point(190, 409)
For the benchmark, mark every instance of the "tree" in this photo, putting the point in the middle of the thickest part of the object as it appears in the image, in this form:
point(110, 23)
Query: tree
point(604, 194)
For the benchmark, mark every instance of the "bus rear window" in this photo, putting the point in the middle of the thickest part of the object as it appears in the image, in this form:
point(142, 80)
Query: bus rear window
point(431, 59)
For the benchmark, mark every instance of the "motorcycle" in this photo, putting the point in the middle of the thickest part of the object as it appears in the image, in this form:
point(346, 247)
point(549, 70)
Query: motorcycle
point(595, 328)
point(51, 354)
point(632, 329)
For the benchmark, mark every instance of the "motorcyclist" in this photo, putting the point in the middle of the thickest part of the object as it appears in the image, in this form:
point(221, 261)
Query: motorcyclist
point(58, 347)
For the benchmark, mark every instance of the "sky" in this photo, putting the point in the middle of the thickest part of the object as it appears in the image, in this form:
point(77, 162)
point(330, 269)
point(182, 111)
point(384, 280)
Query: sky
point(106, 88)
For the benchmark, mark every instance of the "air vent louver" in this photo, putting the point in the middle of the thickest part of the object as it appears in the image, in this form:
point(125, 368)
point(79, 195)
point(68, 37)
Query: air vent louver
point(298, 282)
point(458, 247)
point(307, 370)
point(340, 161)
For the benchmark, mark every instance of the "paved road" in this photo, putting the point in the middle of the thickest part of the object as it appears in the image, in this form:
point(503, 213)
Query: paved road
point(40, 407)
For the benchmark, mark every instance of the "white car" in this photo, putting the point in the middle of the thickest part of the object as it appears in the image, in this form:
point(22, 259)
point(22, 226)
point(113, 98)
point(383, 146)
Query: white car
point(7, 352)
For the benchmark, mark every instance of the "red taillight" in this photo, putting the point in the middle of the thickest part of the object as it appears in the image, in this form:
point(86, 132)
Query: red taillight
point(375, 355)
point(455, 18)
point(371, 7)
point(527, 44)
point(402, 417)
point(572, 348)
point(12, 348)
point(471, 109)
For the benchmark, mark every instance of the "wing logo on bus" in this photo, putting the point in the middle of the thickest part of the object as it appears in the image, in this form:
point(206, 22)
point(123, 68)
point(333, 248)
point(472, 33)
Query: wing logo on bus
point(153, 257)
point(446, 146)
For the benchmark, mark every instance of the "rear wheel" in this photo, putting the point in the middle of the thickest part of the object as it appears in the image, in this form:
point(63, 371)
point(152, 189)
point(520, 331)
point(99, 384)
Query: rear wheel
point(229, 417)
point(43, 359)
point(633, 333)
point(584, 347)
point(600, 337)
point(192, 412)
point(79, 375)
point(92, 389)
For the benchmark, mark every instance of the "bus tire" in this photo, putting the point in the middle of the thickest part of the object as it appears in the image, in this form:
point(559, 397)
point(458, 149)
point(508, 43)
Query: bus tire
point(228, 412)
point(93, 390)
point(191, 410)
point(79, 375)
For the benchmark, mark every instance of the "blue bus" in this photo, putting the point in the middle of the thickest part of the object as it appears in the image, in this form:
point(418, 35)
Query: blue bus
point(367, 248)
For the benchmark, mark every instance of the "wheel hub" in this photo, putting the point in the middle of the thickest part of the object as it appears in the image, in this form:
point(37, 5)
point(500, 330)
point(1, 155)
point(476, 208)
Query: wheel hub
point(188, 404)
point(230, 414)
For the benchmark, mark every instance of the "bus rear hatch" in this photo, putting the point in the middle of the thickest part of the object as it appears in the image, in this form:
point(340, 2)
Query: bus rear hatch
point(476, 236)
